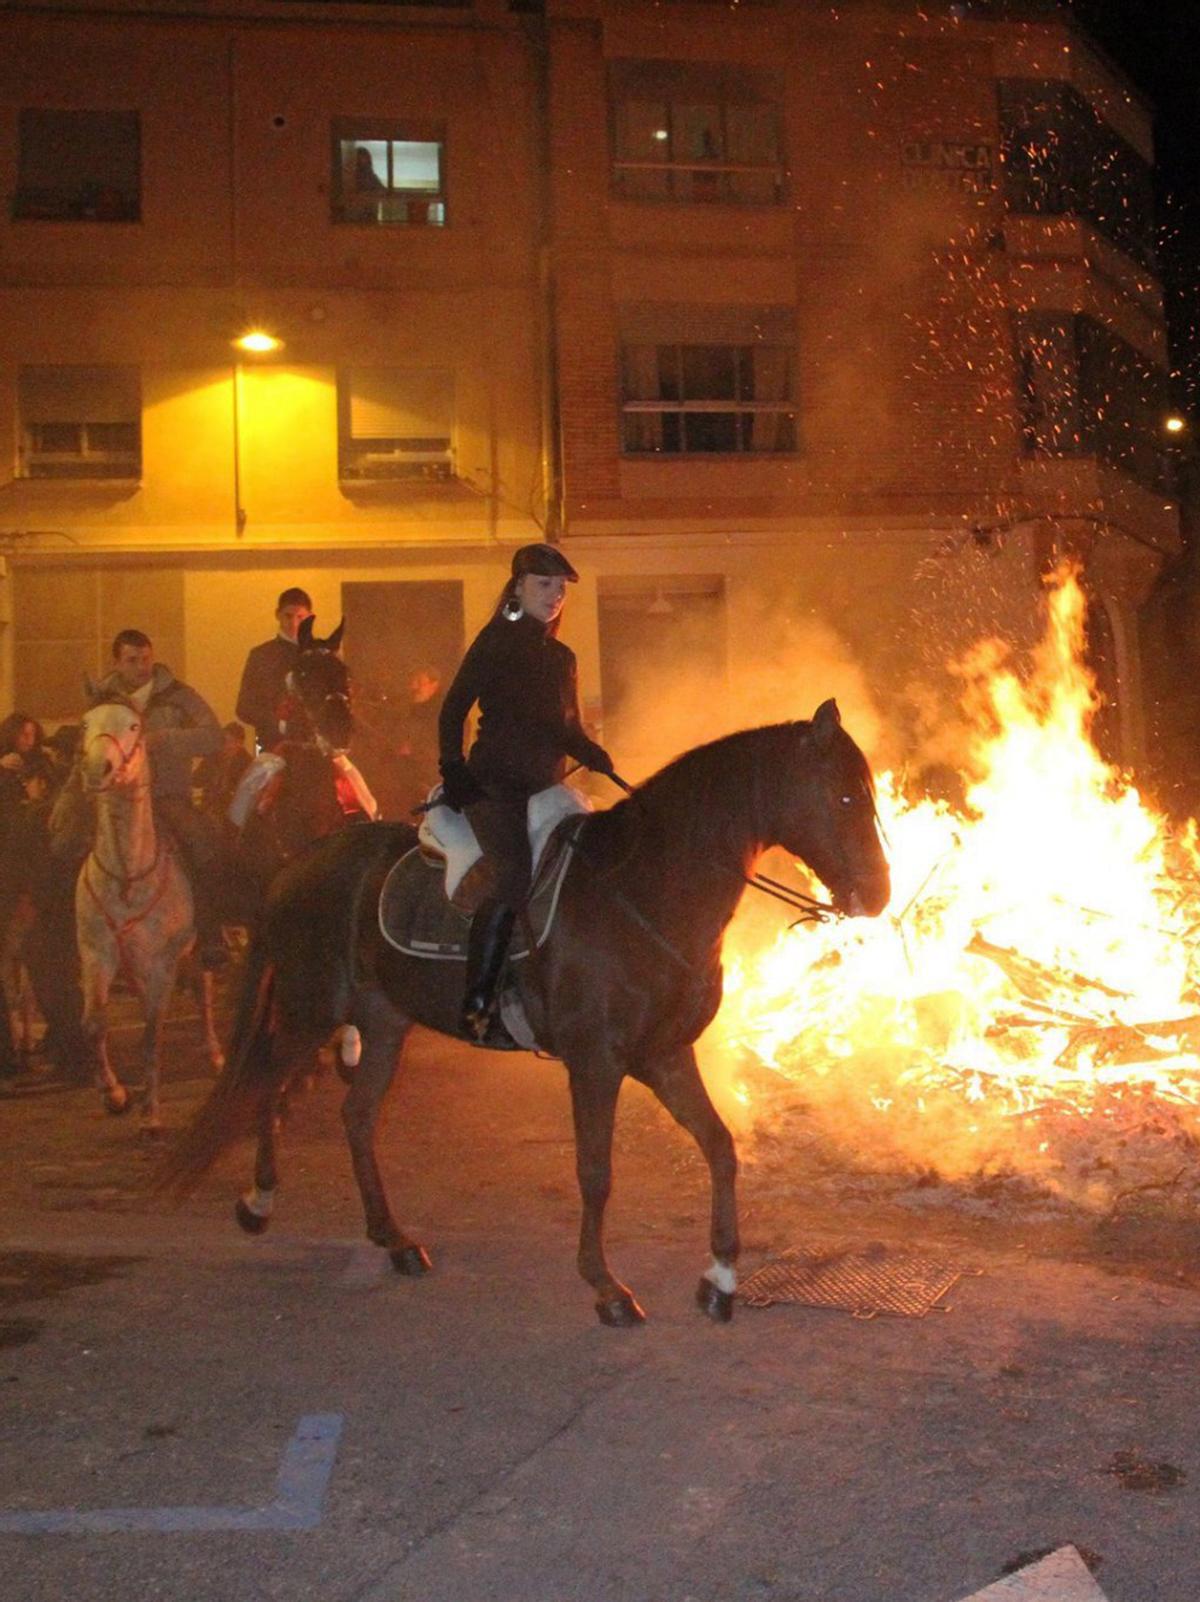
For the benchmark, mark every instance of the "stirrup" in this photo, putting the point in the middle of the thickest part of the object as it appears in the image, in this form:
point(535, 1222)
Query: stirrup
point(475, 1020)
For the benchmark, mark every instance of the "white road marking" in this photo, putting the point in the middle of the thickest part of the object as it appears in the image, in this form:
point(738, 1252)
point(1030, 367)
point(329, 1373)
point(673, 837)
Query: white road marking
point(299, 1496)
point(1061, 1577)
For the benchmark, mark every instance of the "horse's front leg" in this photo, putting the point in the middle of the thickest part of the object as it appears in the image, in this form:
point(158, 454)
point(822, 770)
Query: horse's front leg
point(212, 1043)
point(383, 1030)
point(676, 1081)
point(98, 966)
point(158, 984)
point(595, 1086)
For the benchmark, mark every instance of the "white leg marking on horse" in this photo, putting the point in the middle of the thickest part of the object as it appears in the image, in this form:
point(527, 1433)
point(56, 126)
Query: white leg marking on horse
point(259, 1202)
point(723, 1276)
point(350, 1046)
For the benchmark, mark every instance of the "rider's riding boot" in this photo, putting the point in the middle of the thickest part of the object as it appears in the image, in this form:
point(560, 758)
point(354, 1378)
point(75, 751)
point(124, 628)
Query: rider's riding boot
point(487, 947)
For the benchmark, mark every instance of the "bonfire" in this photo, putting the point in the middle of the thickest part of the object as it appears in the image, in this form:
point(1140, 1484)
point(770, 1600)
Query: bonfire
point(1030, 1003)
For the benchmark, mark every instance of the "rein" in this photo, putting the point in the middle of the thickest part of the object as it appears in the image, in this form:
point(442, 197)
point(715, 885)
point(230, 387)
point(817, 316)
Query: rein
point(118, 930)
point(121, 875)
point(811, 910)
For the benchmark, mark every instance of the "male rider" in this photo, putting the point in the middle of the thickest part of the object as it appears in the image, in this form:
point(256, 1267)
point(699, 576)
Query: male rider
point(179, 726)
point(267, 666)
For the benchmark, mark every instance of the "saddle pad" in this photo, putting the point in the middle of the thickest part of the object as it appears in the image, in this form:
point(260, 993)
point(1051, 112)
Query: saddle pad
point(448, 834)
point(415, 918)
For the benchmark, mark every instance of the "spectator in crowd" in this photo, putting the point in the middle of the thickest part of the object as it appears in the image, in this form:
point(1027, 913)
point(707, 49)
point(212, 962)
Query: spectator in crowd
point(21, 757)
point(418, 767)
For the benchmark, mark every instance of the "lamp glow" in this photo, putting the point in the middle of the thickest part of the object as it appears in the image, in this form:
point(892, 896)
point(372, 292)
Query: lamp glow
point(1174, 424)
point(258, 342)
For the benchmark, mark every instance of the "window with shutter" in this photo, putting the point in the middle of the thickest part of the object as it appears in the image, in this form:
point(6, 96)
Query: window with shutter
point(699, 381)
point(396, 422)
point(80, 422)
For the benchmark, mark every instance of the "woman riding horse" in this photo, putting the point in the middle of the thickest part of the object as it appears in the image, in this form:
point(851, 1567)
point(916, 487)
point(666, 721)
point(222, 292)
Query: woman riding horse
point(524, 679)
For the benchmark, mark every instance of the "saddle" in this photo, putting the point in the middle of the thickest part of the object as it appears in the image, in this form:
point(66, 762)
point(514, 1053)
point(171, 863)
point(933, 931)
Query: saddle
point(447, 836)
point(428, 897)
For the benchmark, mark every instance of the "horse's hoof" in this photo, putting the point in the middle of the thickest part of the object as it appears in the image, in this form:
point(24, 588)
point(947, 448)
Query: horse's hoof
point(620, 1312)
point(412, 1261)
point(151, 1132)
point(253, 1223)
point(713, 1302)
point(117, 1101)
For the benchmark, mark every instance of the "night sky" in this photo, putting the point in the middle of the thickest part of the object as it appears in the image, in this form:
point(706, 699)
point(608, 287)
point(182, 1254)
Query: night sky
point(1157, 42)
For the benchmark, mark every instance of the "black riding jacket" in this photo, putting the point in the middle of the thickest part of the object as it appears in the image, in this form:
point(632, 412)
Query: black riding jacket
point(525, 683)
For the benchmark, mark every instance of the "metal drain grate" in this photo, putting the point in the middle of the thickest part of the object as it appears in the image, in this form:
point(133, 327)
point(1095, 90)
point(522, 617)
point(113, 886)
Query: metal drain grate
point(865, 1282)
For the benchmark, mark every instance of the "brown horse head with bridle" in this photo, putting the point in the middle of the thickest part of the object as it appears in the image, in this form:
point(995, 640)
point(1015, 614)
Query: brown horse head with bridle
point(321, 685)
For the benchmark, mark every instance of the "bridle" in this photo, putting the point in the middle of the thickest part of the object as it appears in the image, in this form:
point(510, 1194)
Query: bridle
point(126, 757)
point(121, 875)
point(331, 697)
point(811, 909)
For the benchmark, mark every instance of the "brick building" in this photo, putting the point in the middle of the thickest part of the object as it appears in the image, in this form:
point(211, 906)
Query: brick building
point(814, 333)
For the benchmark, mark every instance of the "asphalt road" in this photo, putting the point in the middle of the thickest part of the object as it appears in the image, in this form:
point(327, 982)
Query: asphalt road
point(477, 1436)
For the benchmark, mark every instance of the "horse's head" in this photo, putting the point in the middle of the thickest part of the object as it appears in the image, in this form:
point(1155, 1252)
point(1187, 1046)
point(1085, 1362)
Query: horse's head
point(322, 686)
point(112, 749)
point(828, 817)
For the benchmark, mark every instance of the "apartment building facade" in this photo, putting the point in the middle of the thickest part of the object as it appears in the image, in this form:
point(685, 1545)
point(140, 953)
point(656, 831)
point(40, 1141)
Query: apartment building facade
point(816, 334)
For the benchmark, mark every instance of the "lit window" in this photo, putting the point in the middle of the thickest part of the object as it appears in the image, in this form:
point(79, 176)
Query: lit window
point(689, 400)
point(388, 175)
point(78, 166)
point(396, 423)
point(694, 132)
point(80, 422)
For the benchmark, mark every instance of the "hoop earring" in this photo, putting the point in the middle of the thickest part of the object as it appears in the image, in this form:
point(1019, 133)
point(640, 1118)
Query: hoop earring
point(512, 609)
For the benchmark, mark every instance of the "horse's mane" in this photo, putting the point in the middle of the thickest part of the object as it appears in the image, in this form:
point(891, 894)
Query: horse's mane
point(701, 793)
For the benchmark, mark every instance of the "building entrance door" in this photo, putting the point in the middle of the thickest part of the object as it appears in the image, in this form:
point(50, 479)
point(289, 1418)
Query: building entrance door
point(662, 665)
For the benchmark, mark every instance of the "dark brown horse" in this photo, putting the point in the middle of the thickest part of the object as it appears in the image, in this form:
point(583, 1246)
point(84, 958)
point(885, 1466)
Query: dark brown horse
point(301, 804)
point(628, 979)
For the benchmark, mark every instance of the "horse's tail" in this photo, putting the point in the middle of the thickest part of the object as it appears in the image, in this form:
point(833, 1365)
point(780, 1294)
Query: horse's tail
point(236, 1101)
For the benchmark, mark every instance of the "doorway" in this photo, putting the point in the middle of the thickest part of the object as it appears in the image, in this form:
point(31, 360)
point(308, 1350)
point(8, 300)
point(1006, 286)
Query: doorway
point(404, 641)
point(662, 665)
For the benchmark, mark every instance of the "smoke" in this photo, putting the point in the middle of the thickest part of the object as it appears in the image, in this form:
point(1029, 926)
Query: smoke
point(982, 1027)
point(784, 673)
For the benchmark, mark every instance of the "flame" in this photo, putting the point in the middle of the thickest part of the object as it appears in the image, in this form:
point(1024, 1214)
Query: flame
point(1036, 964)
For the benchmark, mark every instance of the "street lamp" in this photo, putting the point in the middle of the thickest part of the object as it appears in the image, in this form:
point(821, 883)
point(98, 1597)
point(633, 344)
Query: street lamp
point(1174, 424)
point(258, 342)
point(254, 342)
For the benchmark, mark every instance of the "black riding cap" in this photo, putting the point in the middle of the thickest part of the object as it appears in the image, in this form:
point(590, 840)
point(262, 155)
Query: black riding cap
point(546, 560)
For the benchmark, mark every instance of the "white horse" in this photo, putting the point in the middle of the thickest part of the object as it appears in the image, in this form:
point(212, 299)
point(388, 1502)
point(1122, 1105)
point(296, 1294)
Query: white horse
point(133, 902)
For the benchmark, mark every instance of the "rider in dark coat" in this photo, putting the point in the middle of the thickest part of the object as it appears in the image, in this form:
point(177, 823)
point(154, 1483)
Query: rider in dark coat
point(264, 677)
point(524, 680)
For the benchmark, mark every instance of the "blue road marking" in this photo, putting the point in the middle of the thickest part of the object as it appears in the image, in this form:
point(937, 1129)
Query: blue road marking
point(300, 1489)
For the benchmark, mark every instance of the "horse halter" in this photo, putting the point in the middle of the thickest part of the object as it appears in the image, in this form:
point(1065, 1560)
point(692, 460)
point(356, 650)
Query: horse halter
point(338, 698)
point(125, 756)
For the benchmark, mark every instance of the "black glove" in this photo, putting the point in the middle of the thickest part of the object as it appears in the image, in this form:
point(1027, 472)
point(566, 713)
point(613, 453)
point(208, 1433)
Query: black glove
point(597, 758)
point(460, 787)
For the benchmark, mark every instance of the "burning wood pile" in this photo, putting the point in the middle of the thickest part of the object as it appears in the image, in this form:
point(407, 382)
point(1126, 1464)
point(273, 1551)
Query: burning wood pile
point(1030, 1004)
